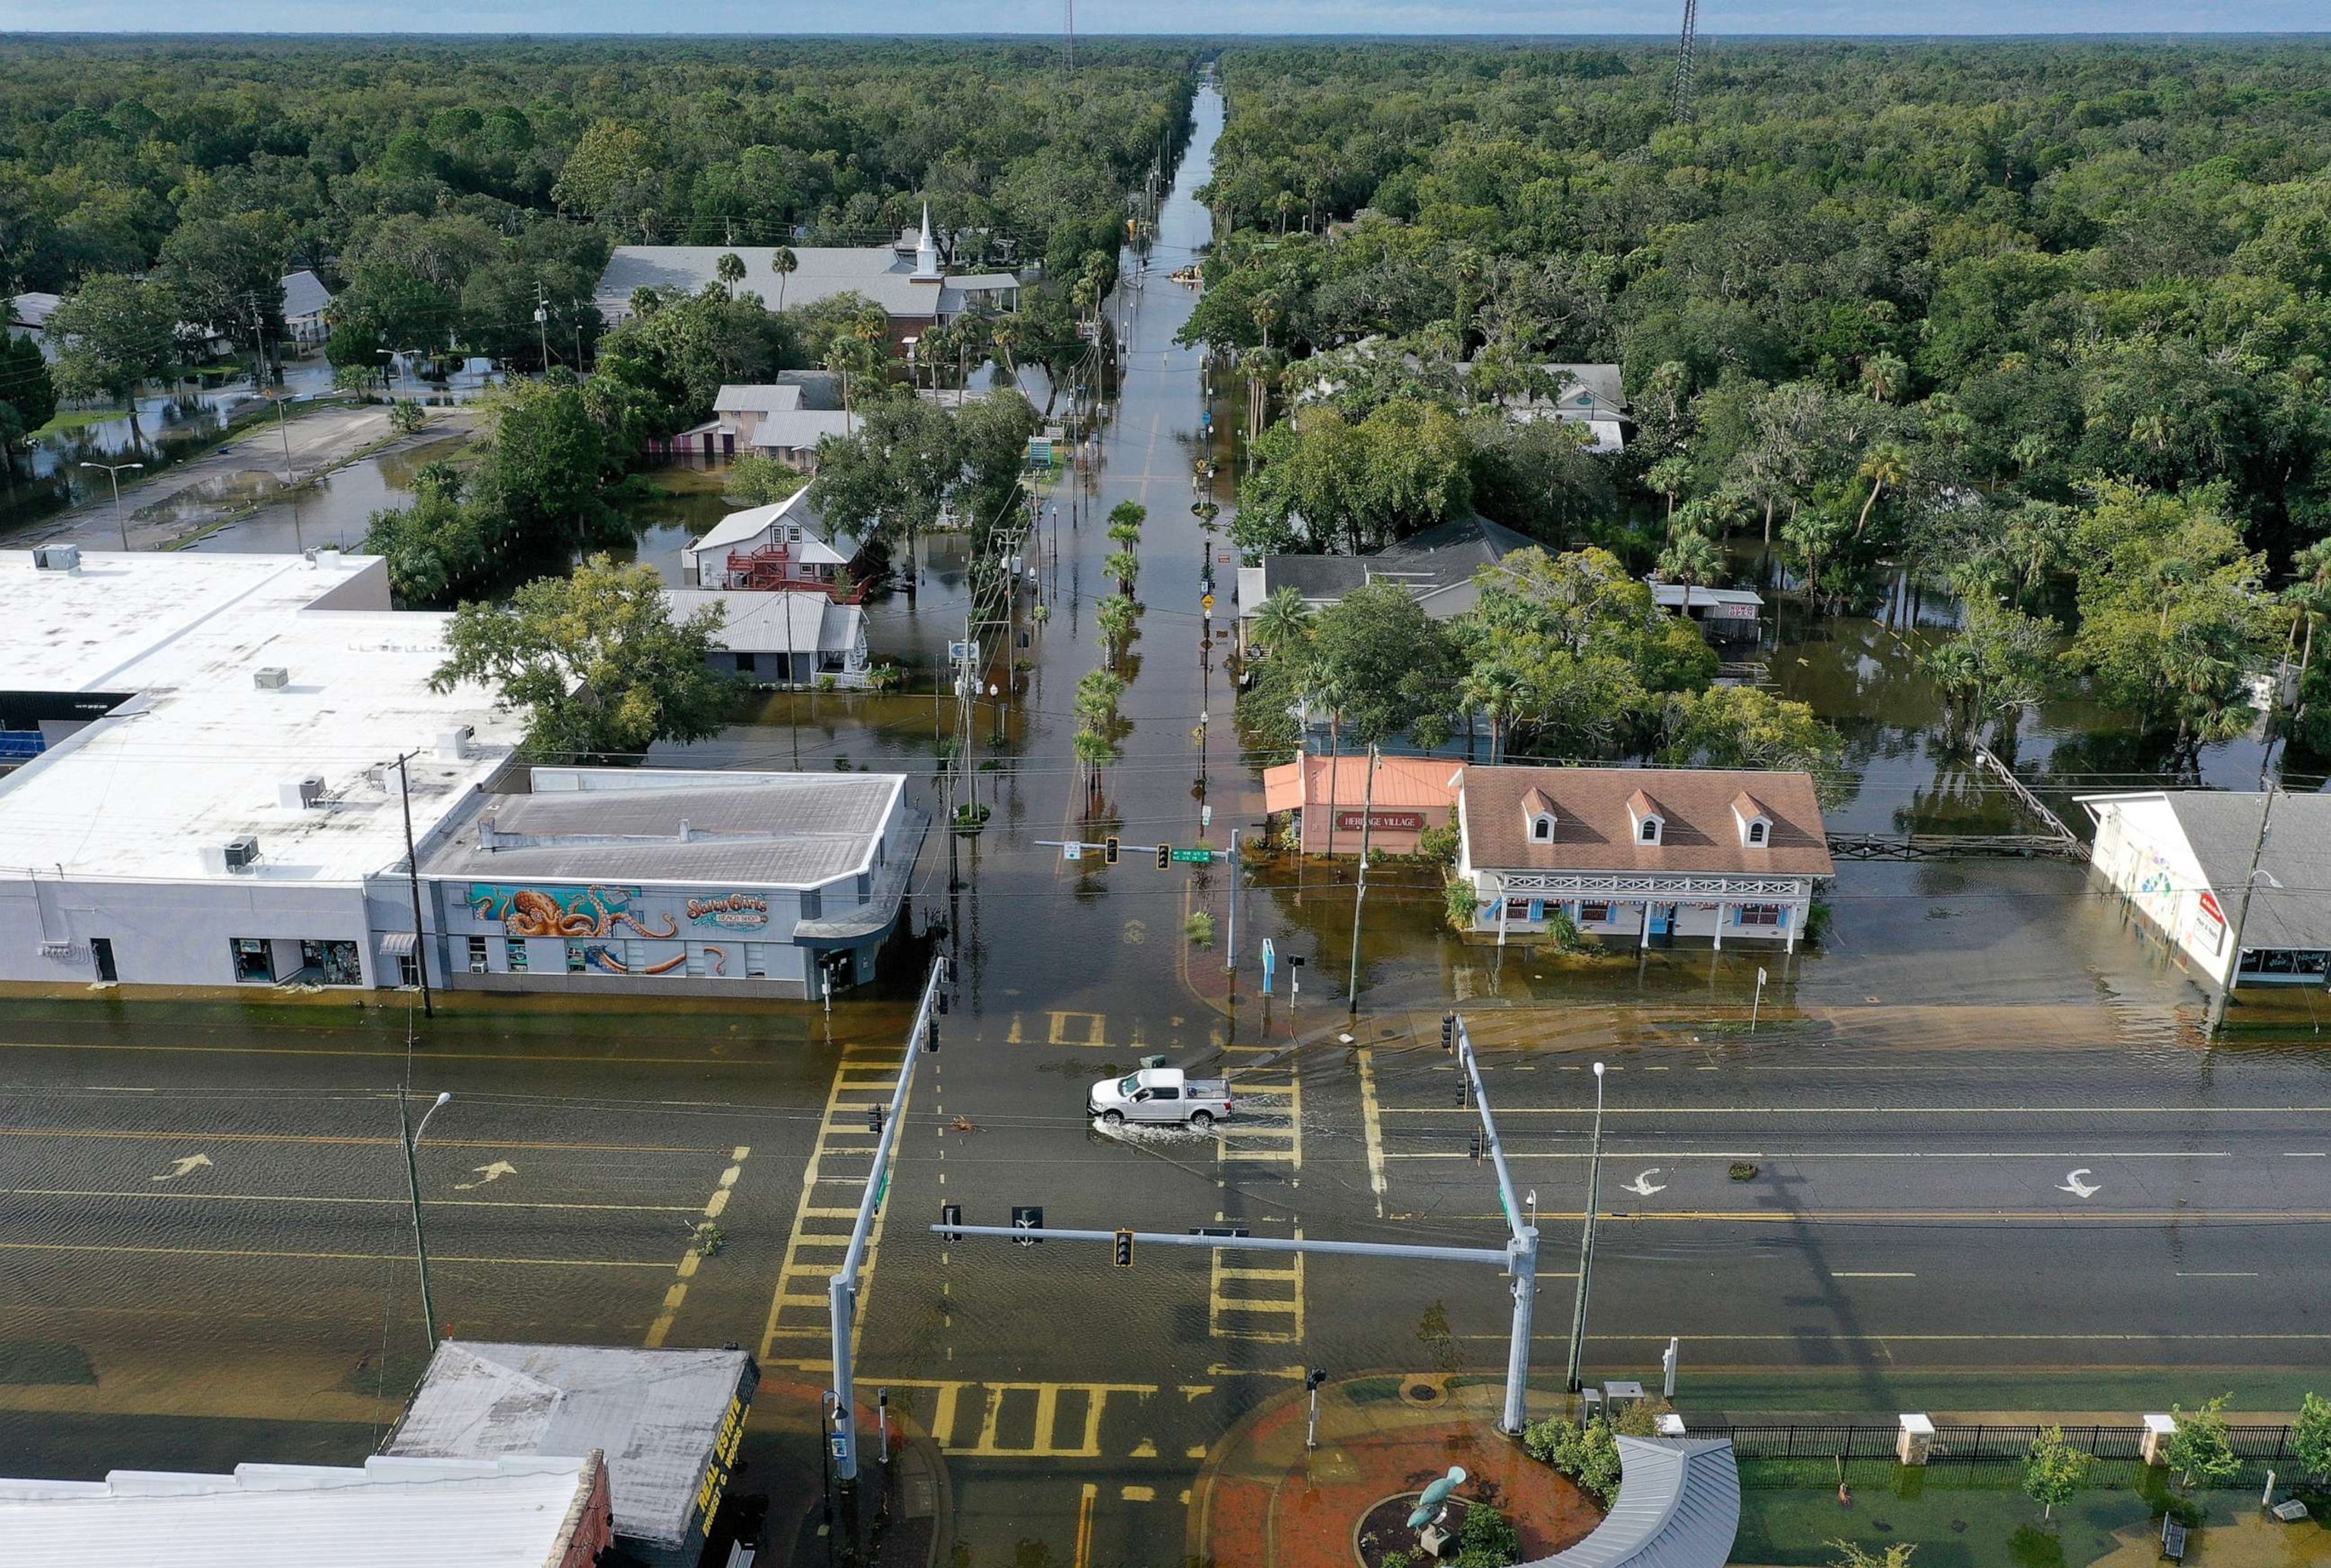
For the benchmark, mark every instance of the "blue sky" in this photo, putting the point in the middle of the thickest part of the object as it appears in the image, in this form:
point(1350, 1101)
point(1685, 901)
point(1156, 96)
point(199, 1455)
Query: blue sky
point(1200, 17)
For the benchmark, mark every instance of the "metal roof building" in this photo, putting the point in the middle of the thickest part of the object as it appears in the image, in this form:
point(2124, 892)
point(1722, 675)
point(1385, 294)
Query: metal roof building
point(1679, 1507)
point(514, 1511)
point(668, 882)
point(668, 1423)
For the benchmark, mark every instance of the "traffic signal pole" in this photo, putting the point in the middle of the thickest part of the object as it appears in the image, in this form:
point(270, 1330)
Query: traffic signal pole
point(841, 1290)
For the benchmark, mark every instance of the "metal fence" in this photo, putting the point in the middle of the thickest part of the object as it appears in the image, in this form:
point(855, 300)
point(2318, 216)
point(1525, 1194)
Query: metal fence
point(2262, 1445)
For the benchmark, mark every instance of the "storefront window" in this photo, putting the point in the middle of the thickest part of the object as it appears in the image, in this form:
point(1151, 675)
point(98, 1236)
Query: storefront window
point(254, 959)
point(575, 957)
point(514, 948)
point(332, 963)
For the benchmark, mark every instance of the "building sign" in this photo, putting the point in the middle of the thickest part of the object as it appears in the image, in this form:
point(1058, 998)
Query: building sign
point(1732, 612)
point(557, 911)
point(2209, 920)
point(723, 1464)
point(1383, 822)
point(730, 911)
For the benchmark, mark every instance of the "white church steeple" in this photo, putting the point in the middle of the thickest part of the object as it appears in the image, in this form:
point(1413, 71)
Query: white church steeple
point(927, 251)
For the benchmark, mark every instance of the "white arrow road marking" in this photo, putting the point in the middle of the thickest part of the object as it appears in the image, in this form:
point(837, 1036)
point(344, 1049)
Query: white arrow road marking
point(493, 1173)
point(185, 1166)
point(1642, 1186)
point(2076, 1187)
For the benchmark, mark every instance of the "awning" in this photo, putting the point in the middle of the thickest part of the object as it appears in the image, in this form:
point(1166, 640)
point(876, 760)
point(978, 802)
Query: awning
point(396, 944)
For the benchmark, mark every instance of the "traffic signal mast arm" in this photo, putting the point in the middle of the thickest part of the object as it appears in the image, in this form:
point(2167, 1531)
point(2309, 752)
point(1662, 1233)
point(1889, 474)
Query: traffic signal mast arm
point(1501, 1257)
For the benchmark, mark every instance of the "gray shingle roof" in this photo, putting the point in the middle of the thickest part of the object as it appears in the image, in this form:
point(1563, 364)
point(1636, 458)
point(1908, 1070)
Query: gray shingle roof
point(798, 831)
point(1679, 1507)
point(877, 271)
point(656, 1414)
point(2291, 904)
point(1442, 558)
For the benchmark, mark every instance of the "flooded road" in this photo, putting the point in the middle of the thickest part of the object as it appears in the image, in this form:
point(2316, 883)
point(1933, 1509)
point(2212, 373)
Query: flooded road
point(1921, 1086)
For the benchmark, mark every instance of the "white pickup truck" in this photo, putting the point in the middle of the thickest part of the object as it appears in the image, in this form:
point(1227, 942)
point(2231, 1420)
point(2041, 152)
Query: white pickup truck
point(1160, 1094)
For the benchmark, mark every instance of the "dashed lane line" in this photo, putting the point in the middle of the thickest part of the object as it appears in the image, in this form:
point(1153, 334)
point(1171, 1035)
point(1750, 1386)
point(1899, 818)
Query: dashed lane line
point(694, 1256)
point(1372, 1125)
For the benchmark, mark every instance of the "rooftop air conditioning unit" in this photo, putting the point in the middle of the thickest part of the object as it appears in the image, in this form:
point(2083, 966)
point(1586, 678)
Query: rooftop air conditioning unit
point(453, 744)
point(57, 558)
point(272, 678)
point(301, 794)
point(241, 853)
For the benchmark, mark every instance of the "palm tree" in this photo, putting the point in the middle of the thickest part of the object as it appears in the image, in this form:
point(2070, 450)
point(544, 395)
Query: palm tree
point(1883, 375)
point(730, 270)
point(1885, 464)
point(1284, 621)
point(1670, 477)
point(783, 263)
point(1496, 693)
point(1690, 558)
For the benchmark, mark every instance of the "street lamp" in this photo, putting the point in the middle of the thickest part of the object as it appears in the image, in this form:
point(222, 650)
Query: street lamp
point(411, 1142)
point(114, 470)
point(1586, 1236)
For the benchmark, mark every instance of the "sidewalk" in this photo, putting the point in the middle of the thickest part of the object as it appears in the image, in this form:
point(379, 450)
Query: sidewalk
point(1263, 1501)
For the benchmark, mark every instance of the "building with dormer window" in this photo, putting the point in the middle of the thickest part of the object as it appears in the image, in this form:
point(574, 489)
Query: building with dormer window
point(1639, 855)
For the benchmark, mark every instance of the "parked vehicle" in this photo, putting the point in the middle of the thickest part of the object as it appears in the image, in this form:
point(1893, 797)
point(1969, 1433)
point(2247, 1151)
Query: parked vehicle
point(1160, 1094)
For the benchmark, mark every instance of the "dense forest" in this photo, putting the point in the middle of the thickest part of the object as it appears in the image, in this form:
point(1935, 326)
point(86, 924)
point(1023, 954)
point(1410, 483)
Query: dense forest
point(2049, 319)
point(444, 191)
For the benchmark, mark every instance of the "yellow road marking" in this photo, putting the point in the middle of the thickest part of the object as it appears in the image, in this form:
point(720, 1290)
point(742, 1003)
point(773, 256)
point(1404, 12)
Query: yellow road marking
point(1093, 1026)
point(690, 1260)
point(796, 1313)
point(1085, 1524)
point(1045, 1441)
point(315, 1257)
point(1372, 1127)
point(1278, 1301)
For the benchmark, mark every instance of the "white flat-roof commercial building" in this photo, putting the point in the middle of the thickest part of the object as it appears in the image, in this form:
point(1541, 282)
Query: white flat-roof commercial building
point(668, 882)
point(670, 1422)
point(509, 1512)
point(208, 792)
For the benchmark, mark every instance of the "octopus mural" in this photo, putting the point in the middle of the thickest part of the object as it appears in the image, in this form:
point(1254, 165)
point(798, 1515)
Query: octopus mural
point(593, 911)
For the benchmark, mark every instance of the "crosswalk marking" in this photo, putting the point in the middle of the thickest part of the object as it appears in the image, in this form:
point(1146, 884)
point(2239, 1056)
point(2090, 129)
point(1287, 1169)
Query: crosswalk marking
point(968, 1417)
point(1258, 1302)
point(1266, 1124)
point(832, 1183)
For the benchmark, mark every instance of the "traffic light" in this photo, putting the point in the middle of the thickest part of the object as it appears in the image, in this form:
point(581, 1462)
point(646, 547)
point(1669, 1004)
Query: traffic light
point(1109, 848)
point(1028, 1217)
point(1165, 857)
point(1476, 1148)
point(950, 1216)
point(874, 1119)
point(1125, 1248)
point(1448, 1033)
point(931, 1036)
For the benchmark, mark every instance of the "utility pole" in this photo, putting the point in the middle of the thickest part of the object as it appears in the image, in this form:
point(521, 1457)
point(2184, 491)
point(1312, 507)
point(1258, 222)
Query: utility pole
point(412, 878)
point(542, 328)
point(1367, 819)
point(2224, 995)
point(1230, 957)
point(1586, 1238)
point(411, 1139)
point(113, 471)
